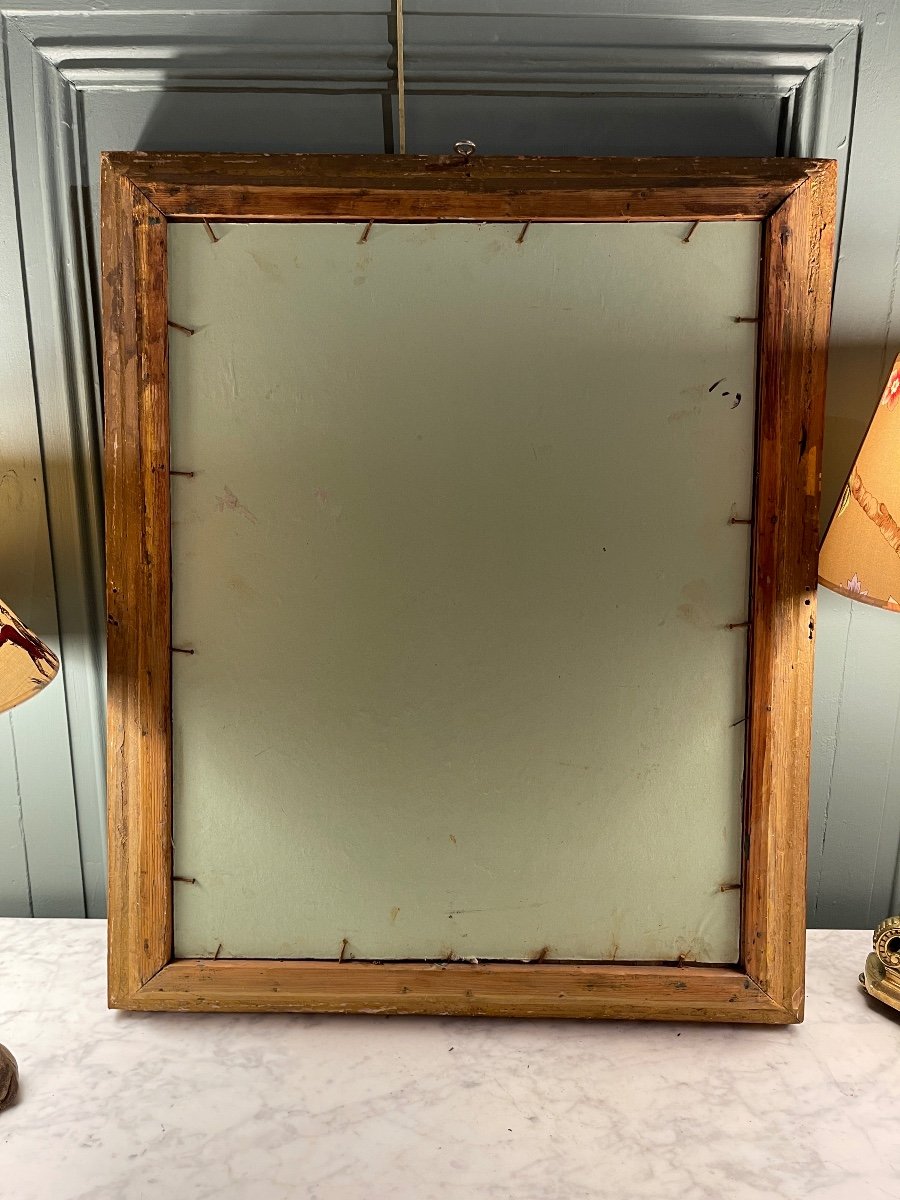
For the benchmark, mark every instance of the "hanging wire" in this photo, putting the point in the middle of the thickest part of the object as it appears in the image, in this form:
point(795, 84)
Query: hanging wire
point(401, 81)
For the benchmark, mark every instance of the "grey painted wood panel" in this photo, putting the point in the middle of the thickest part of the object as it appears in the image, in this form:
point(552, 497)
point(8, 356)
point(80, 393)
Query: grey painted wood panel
point(644, 125)
point(44, 774)
point(857, 817)
point(701, 76)
point(832, 621)
point(15, 894)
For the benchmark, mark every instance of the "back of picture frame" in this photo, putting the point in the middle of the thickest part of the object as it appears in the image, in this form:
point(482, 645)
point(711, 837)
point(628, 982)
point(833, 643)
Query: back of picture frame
point(462, 525)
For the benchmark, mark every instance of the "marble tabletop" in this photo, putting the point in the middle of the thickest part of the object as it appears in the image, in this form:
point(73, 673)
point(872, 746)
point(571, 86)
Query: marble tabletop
point(117, 1106)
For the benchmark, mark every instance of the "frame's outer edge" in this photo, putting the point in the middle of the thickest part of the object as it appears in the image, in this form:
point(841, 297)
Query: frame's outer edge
point(796, 311)
point(690, 993)
point(795, 199)
point(136, 375)
point(293, 187)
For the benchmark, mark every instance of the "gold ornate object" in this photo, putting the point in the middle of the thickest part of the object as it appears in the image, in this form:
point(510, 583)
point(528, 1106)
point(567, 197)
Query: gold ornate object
point(881, 977)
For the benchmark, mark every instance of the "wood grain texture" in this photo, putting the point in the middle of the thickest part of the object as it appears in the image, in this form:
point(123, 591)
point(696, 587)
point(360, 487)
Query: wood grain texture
point(796, 200)
point(292, 187)
point(796, 309)
point(134, 296)
point(690, 993)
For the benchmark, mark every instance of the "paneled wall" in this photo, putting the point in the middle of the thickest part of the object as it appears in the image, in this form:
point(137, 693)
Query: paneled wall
point(517, 76)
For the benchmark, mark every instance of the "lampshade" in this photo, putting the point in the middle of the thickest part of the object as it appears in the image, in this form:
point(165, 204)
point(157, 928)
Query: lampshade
point(860, 556)
point(26, 664)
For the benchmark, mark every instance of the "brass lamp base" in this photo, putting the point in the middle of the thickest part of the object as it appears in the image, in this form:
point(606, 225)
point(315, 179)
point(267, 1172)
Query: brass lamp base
point(881, 977)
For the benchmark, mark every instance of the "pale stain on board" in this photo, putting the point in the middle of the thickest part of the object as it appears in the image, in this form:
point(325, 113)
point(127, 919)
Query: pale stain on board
point(228, 502)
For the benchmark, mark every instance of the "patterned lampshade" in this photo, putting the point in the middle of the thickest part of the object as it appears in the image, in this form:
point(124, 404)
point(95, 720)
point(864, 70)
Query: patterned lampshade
point(860, 556)
point(26, 664)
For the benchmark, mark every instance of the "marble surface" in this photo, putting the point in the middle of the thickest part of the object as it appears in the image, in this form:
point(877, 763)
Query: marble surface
point(120, 1106)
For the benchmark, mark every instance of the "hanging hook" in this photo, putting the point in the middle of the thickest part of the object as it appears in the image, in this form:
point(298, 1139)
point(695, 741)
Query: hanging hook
point(462, 152)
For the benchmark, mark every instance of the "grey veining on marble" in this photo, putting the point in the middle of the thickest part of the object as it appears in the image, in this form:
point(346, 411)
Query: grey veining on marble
point(118, 1106)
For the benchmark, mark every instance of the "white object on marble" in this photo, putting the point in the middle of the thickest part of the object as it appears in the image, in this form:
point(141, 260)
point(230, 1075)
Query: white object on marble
point(119, 1106)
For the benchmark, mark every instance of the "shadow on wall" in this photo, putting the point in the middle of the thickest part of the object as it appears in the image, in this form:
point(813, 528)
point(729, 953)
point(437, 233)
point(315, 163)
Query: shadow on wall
point(25, 583)
point(279, 83)
point(319, 83)
point(857, 372)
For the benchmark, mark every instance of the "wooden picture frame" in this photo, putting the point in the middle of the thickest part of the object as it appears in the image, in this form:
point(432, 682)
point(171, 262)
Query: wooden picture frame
point(794, 201)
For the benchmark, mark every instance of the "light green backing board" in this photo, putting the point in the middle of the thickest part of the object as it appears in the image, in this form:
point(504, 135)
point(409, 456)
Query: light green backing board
point(457, 566)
